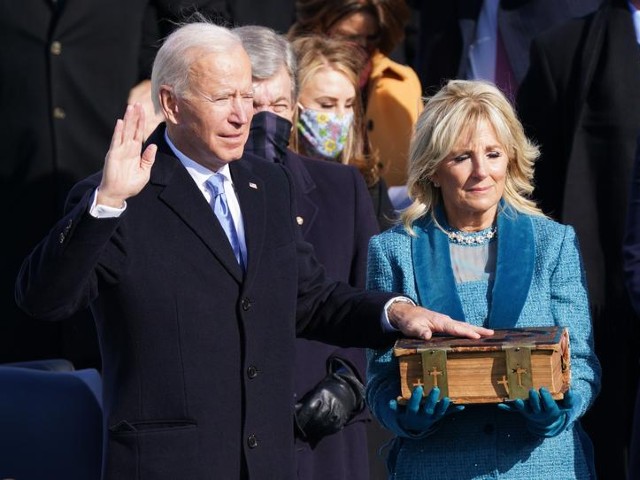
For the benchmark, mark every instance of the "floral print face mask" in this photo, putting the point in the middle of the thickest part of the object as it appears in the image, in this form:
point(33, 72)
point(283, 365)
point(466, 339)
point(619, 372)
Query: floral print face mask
point(324, 133)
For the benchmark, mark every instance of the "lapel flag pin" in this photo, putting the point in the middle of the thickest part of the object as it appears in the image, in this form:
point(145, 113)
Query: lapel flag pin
point(253, 185)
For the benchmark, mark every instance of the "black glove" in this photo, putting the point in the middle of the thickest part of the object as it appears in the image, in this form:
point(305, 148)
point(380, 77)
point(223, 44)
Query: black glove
point(331, 404)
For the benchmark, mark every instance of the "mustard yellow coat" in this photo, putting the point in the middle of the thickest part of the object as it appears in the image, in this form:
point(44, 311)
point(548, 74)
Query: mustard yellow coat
point(394, 102)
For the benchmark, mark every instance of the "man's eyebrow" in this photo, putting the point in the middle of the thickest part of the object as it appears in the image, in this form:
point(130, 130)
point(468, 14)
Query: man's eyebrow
point(229, 91)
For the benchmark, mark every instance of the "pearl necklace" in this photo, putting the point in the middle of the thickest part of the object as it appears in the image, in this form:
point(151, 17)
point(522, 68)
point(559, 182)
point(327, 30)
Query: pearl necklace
point(471, 238)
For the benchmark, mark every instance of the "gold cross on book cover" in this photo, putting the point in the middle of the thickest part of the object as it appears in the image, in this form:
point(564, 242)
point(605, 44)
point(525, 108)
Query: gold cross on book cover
point(488, 370)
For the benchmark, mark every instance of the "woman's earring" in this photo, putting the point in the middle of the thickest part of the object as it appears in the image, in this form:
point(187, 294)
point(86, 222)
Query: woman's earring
point(435, 184)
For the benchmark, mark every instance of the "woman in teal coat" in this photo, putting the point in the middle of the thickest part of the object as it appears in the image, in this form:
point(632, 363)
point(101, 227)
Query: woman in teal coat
point(474, 245)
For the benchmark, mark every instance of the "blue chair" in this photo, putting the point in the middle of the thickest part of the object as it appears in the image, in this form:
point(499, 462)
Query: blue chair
point(50, 423)
point(50, 364)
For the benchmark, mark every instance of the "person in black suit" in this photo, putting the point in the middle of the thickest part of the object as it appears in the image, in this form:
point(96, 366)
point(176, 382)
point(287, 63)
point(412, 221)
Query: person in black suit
point(67, 68)
point(580, 101)
point(453, 35)
point(197, 330)
point(631, 256)
point(336, 216)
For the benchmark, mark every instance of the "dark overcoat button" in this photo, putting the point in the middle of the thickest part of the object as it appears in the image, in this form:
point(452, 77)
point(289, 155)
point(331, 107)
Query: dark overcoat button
point(55, 48)
point(252, 441)
point(245, 303)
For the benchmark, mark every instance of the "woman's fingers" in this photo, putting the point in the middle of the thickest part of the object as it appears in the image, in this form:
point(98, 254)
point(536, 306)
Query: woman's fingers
point(414, 402)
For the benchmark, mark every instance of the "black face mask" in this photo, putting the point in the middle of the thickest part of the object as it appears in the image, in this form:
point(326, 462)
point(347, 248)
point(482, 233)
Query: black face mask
point(269, 136)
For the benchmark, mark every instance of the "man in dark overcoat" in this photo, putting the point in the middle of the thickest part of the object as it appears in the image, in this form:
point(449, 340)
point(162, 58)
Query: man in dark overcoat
point(336, 216)
point(580, 101)
point(448, 31)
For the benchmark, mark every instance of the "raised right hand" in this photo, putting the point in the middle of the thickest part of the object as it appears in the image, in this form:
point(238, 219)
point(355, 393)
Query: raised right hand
point(126, 171)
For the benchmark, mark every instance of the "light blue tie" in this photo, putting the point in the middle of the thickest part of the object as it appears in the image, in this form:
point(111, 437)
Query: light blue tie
point(221, 209)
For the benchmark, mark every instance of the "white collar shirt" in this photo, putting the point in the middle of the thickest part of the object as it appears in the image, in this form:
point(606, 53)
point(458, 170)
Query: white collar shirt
point(200, 176)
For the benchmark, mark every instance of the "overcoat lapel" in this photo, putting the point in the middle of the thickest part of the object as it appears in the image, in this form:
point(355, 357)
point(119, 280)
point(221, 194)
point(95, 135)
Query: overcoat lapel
point(305, 186)
point(251, 196)
point(181, 195)
point(467, 12)
point(515, 261)
point(589, 59)
point(72, 12)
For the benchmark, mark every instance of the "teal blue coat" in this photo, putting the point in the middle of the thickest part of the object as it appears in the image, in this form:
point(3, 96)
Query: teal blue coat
point(539, 281)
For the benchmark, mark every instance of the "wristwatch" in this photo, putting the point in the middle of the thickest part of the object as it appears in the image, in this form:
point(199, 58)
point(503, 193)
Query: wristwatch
point(387, 306)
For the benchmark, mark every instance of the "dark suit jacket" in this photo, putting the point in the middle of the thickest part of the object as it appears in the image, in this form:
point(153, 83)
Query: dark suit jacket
point(631, 247)
point(336, 216)
point(65, 77)
point(580, 101)
point(447, 30)
point(631, 252)
point(197, 357)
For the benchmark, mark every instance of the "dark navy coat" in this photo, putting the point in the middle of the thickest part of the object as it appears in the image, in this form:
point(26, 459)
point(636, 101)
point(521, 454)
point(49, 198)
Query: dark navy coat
point(580, 102)
point(197, 356)
point(335, 214)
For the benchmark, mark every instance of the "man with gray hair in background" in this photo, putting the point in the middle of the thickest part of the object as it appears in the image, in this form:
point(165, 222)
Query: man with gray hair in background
point(336, 216)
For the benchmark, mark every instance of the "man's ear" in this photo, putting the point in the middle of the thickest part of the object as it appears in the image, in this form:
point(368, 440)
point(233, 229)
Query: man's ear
point(169, 104)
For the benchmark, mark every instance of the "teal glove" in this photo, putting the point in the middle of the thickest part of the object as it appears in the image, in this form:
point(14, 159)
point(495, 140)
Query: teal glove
point(544, 416)
point(419, 420)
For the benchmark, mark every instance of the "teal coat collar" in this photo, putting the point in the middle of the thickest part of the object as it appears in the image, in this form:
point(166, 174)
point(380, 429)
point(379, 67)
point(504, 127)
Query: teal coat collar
point(435, 283)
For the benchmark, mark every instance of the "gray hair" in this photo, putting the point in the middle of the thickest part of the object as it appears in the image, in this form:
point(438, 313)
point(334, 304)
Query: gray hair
point(181, 48)
point(268, 52)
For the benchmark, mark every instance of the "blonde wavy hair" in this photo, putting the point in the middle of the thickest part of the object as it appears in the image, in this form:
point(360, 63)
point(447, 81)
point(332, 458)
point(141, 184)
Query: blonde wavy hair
point(459, 107)
point(313, 53)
